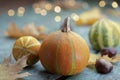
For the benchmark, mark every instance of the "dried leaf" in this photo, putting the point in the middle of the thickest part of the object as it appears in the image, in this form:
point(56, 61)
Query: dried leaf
point(28, 30)
point(94, 57)
point(105, 57)
point(89, 17)
point(92, 60)
point(10, 71)
point(14, 31)
point(112, 60)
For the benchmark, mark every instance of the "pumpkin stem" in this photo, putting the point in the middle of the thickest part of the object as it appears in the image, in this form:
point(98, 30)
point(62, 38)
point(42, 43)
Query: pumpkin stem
point(66, 25)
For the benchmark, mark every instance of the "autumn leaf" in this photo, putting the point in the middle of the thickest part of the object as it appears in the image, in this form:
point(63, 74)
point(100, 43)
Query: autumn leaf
point(92, 60)
point(28, 30)
point(112, 60)
point(85, 19)
point(94, 57)
point(10, 71)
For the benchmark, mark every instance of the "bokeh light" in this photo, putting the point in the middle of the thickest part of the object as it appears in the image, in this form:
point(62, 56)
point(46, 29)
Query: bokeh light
point(21, 11)
point(57, 9)
point(74, 16)
point(102, 3)
point(57, 18)
point(43, 12)
point(114, 4)
point(48, 6)
point(11, 12)
point(37, 10)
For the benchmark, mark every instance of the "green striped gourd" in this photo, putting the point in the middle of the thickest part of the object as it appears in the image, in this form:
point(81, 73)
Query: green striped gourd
point(104, 33)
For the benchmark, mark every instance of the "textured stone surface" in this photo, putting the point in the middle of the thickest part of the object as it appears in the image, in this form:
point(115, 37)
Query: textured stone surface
point(37, 71)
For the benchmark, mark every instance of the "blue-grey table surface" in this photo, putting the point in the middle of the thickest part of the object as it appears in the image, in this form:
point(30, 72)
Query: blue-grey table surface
point(37, 71)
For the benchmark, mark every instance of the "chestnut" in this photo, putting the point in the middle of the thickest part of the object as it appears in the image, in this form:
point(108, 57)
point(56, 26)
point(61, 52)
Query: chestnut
point(103, 66)
point(111, 52)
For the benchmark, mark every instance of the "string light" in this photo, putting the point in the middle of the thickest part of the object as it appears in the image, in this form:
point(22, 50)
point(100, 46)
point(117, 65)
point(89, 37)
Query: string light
point(43, 12)
point(114, 4)
point(57, 9)
point(48, 6)
point(74, 16)
point(102, 3)
point(57, 18)
point(11, 12)
point(37, 10)
point(21, 11)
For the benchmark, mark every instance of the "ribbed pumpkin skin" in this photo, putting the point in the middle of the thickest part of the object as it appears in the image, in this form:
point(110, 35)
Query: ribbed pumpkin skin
point(64, 53)
point(26, 45)
point(104, 33)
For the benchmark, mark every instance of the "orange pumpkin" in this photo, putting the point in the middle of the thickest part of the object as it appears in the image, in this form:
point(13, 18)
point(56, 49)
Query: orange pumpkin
point(64, 52)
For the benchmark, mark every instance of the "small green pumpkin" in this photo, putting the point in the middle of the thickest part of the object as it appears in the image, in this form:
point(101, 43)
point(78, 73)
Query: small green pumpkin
point(104, 33)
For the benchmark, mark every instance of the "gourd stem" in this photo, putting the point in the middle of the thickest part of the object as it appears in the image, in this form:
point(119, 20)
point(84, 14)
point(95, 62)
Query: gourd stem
point(66, 25)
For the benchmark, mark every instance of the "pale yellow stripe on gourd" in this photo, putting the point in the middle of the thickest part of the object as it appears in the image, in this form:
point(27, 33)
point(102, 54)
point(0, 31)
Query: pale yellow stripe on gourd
point(113, 28)
point(27, 43)
point(32, 45)
point(92, 32)
point(109, 34)
point(73, 56)
point(80, 38)
point(22, 41)
point(100, 37)
point(31, 51)
point(28, 40)
point(117, 30)
point(117, 27)
point(17, 47)
point(110, 30)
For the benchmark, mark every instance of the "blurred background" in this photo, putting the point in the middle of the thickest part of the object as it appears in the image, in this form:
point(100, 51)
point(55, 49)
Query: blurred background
point(39, 18)
point(23, 11)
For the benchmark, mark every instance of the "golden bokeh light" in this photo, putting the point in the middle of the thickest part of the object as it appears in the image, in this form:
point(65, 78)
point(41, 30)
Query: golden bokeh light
point(74, 16)
point(11, 12)
point(102, 3)
point(48, 6)
point(43, 12)
point(114, 4)
point(57, 18)
point(57, 9)
point(21, 11)
point(37, 10)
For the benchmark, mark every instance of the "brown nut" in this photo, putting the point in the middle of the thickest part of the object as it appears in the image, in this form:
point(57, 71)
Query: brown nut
point(103, 66)
point(111, 52)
